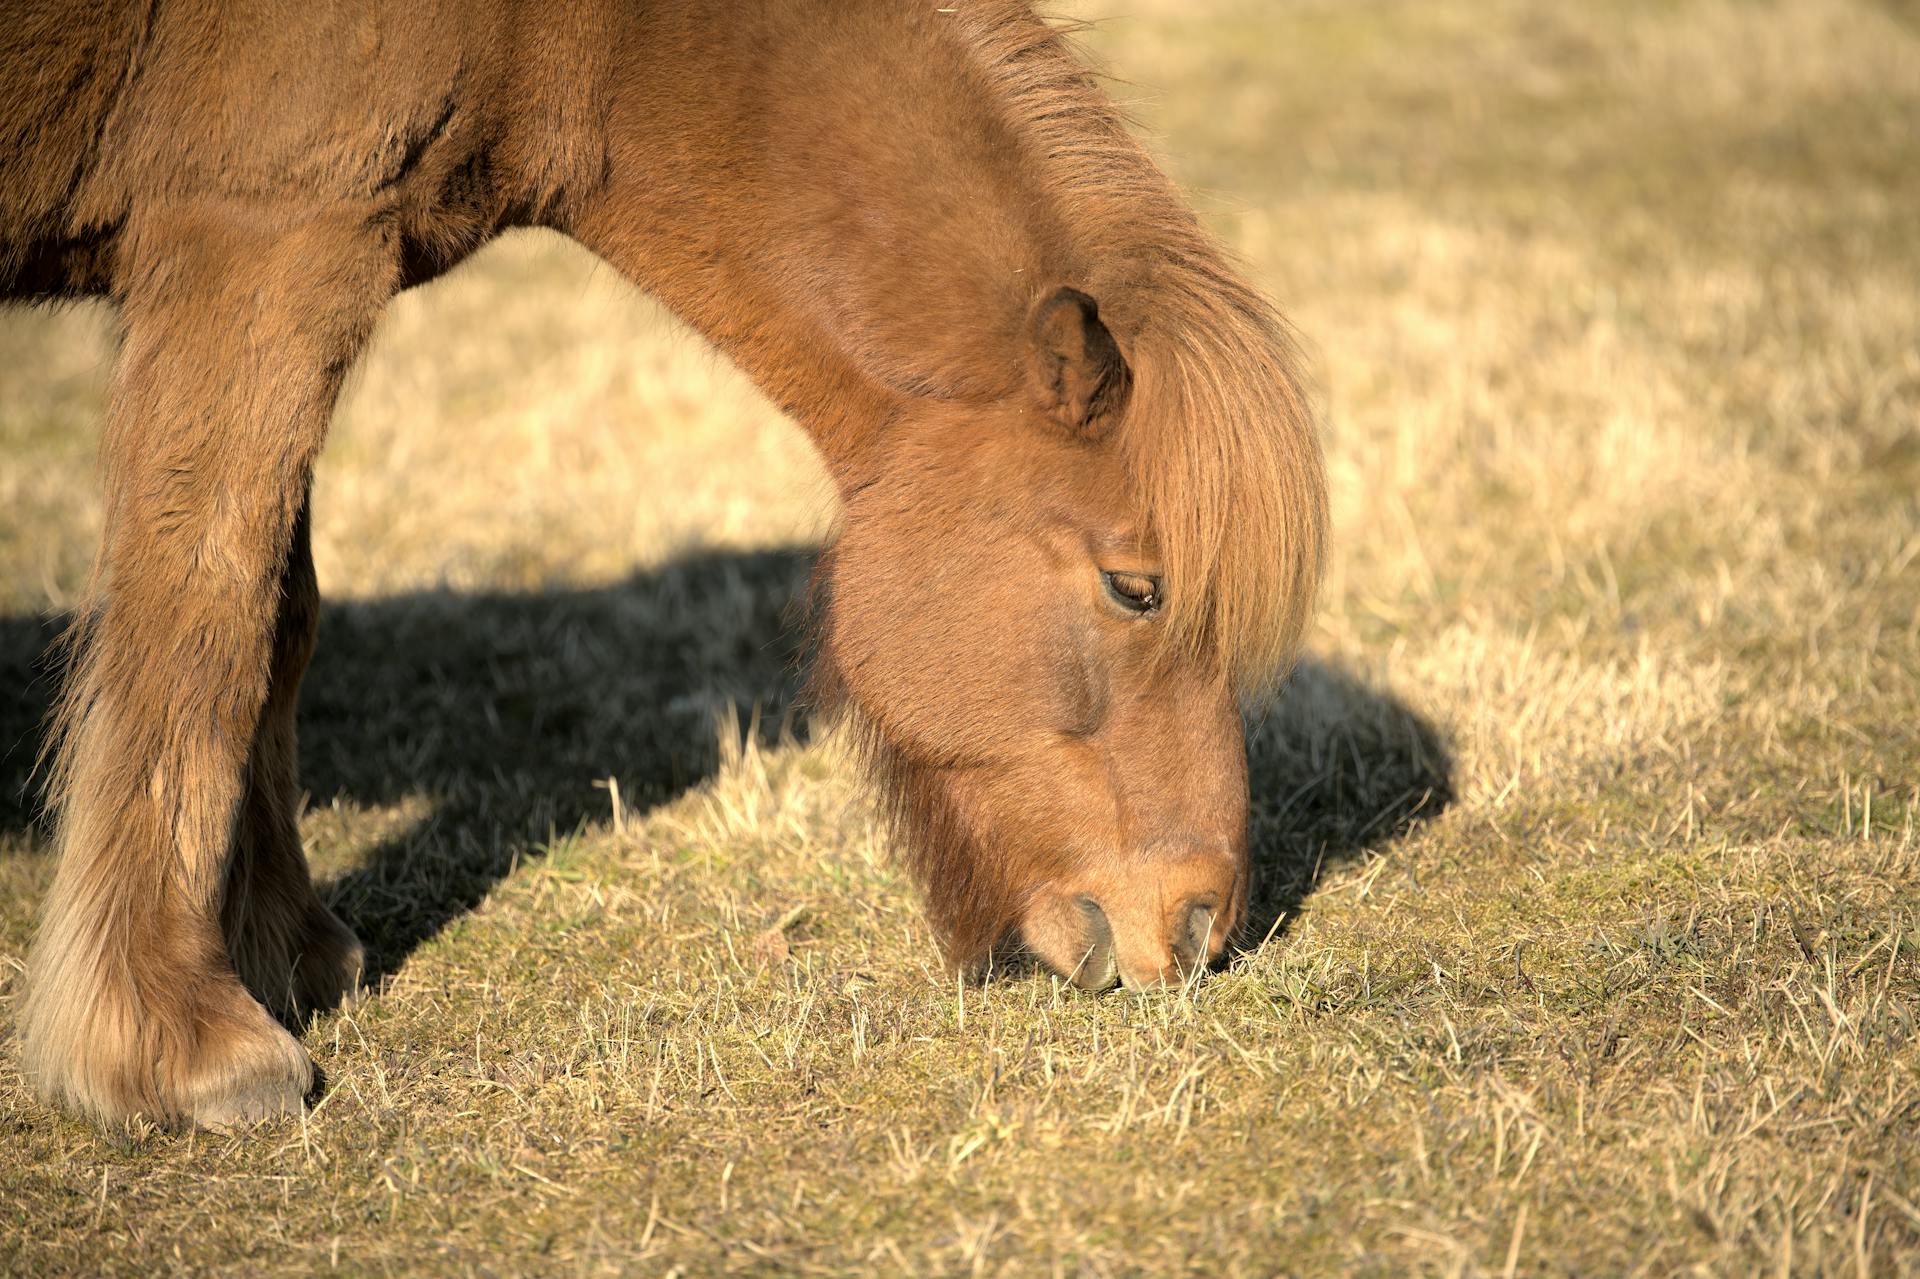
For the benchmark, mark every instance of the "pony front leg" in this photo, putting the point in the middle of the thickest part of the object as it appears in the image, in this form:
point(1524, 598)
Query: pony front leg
point(239, 322)
point(292, 952)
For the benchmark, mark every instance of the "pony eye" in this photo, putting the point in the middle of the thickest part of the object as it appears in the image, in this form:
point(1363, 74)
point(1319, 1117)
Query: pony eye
point(1135, 592)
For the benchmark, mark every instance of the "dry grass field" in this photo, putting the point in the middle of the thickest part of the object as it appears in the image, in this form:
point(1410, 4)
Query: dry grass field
point(1588, 937)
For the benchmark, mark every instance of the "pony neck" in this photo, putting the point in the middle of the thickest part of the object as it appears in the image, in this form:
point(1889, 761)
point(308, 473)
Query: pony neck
point(835, 196)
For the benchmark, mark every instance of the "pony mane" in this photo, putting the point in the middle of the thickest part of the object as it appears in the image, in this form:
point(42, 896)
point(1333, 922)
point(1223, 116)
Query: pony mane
point(1218, 433)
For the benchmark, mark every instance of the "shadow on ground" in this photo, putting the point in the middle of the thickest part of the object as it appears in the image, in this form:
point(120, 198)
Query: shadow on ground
point(502, 710)
point(1336, 770)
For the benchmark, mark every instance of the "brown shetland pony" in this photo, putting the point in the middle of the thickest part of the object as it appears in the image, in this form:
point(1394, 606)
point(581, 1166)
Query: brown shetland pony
point(1084, 506)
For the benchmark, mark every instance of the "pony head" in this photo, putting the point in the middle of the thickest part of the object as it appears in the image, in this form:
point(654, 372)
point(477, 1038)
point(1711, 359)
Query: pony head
point(1042, 616)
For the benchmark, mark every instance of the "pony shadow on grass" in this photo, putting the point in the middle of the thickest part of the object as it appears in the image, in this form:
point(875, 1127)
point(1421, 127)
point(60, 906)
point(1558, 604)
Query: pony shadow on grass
point(497, 715)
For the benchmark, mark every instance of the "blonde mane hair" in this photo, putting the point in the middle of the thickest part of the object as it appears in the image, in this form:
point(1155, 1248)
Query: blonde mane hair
point(1218, 431)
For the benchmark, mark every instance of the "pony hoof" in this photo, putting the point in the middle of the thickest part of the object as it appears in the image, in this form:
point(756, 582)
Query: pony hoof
point(200, 1052)
point(252, 1074)
point(332, 963)
point(265, 1100)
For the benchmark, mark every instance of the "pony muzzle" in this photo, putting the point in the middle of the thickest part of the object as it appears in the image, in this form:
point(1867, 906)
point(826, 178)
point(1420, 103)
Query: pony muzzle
point(1147, 936)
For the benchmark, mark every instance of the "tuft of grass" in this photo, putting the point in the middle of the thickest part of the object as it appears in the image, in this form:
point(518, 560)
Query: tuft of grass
point(1586, 937)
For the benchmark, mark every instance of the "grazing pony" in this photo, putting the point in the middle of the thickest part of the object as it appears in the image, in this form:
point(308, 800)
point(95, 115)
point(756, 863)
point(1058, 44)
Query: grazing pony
point(1084, 505)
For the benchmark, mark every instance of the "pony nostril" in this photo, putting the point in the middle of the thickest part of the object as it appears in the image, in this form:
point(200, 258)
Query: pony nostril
point(1193, 939)
point(1097, 968)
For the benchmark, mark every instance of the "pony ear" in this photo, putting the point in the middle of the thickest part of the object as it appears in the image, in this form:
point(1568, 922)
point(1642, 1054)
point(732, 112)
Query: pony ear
point(1077, 369)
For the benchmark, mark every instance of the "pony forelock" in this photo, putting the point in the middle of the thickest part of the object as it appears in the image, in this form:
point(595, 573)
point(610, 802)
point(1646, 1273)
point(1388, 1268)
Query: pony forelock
point(1224, 463)
point(1218, 433)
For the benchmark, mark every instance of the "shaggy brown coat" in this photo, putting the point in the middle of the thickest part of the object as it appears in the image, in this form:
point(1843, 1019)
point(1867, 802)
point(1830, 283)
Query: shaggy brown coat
point(1084, 503)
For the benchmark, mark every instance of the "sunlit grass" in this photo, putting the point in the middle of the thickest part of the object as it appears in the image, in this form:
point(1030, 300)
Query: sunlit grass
point(1587, 837)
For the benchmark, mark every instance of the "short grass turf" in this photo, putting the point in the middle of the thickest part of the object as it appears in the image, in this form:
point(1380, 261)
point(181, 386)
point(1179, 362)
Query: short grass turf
point(1588, 936)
